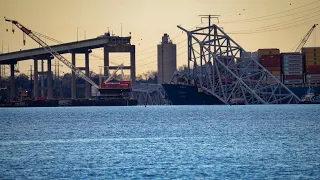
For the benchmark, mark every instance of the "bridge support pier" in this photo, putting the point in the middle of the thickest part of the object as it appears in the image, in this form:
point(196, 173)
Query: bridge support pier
point(88, 86)
point(12, 83)
point(36, 80)
point(42, 78)
point(123, 48)
point(73, 78)
point(133, 64)
point(106, 61)
point(49, 80)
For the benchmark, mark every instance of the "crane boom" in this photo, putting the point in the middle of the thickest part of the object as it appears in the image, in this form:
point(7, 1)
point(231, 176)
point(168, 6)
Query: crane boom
point(52, 52)
point(114, 73)
point(305, 38)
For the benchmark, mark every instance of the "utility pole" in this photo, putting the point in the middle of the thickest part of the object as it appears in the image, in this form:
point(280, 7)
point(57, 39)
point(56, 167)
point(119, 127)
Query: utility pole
point(57, 83)
point(121, 29)
point(58, 70)
point(77, 32)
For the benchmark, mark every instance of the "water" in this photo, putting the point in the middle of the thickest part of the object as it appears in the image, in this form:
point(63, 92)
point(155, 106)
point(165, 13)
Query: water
point(161, 142)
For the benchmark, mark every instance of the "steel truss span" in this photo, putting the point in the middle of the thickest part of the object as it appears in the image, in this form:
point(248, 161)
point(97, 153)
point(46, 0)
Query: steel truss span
point(150, 94)
point(222, 68)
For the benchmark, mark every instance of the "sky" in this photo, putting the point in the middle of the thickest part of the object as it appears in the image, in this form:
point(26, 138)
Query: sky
point(253, 24)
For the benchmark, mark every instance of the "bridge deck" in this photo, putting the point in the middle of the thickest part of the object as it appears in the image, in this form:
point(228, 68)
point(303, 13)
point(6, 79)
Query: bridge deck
point(99, 42)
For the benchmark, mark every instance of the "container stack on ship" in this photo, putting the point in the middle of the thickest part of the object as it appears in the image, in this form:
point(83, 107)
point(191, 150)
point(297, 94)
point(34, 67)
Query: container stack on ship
point(312, 59)
point(293, 69)
point(271, 60)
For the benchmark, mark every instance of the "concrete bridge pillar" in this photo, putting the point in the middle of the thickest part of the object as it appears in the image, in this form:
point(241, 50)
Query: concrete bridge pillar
point(106, 60)
point(74, 83)
point(42, 78)
point(12, 83)
point(133, 64)
point(88, 86)
point(49, 80)
point(36, 80)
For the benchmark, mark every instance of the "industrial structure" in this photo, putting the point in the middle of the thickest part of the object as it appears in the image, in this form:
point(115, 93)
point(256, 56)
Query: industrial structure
point(109, 43)
point(167, 60)
point(219, 70)
point(219, 66)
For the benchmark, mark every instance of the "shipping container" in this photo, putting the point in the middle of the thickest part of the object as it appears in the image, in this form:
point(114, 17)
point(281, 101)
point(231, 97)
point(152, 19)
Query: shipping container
point(310, 49)
point(271, 56)
point(314, 53)
point(313, 75)
point(292, 73)
point(316, 67)
point(292, 61)
point(292, 56)
point(312, 63)
point(293, 69)
point(293, 77)
point(293, 64)
point(313, 82)
point(245, 54)
point(273, 68)
point(277, 73)
point(312, 79)
point(312, 58)
point(293, 81)
point(272, 80)
point(312, 72)
point(268, 51)
point(276, 76)
point(275, 65)
point(255, 55)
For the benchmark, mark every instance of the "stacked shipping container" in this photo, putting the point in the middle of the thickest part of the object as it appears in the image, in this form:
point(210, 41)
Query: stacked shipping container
point(271, 60)
point(312, 58)
point(292, 68)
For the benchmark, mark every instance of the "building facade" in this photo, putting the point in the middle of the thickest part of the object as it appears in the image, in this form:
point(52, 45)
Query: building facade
point(167, 60)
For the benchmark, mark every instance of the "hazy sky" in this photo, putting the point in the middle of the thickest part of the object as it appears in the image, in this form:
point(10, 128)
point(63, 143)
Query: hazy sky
point(282, 24)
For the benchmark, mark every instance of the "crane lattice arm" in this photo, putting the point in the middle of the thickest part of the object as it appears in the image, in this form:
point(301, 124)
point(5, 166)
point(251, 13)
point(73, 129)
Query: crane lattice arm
point(305, 38)
point(114, 73)
point(52, 52)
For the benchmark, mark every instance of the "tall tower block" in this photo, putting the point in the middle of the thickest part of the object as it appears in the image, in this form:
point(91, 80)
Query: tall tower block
point(167, 59)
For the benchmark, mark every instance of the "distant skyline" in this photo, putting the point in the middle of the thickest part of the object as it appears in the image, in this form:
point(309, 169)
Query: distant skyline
point(259, 24)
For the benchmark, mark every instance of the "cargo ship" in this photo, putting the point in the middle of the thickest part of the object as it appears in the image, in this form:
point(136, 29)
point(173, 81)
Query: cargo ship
point(298, 71)
point(190, 95)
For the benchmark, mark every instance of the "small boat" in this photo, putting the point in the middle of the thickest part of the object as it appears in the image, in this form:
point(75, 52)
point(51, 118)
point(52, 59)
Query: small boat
point(237, 101)
point(310, 97)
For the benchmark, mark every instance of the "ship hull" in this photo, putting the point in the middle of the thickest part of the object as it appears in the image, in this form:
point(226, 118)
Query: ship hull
point(189, 95)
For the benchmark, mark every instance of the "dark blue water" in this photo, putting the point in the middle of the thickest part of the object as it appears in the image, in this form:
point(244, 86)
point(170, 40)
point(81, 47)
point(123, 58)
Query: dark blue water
point(161, 142)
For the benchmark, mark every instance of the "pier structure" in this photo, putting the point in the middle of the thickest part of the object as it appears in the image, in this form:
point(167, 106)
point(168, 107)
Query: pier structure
point(110, 44)
point(43, 88)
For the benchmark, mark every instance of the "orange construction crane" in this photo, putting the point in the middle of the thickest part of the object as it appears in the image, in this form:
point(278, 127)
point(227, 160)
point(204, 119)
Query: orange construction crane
point(51, 51)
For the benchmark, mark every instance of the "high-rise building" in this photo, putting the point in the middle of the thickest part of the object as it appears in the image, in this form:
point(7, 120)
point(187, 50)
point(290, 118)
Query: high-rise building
point(167, 59)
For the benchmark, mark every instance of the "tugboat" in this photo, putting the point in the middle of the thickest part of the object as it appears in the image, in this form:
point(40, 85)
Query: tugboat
point(310, 97)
